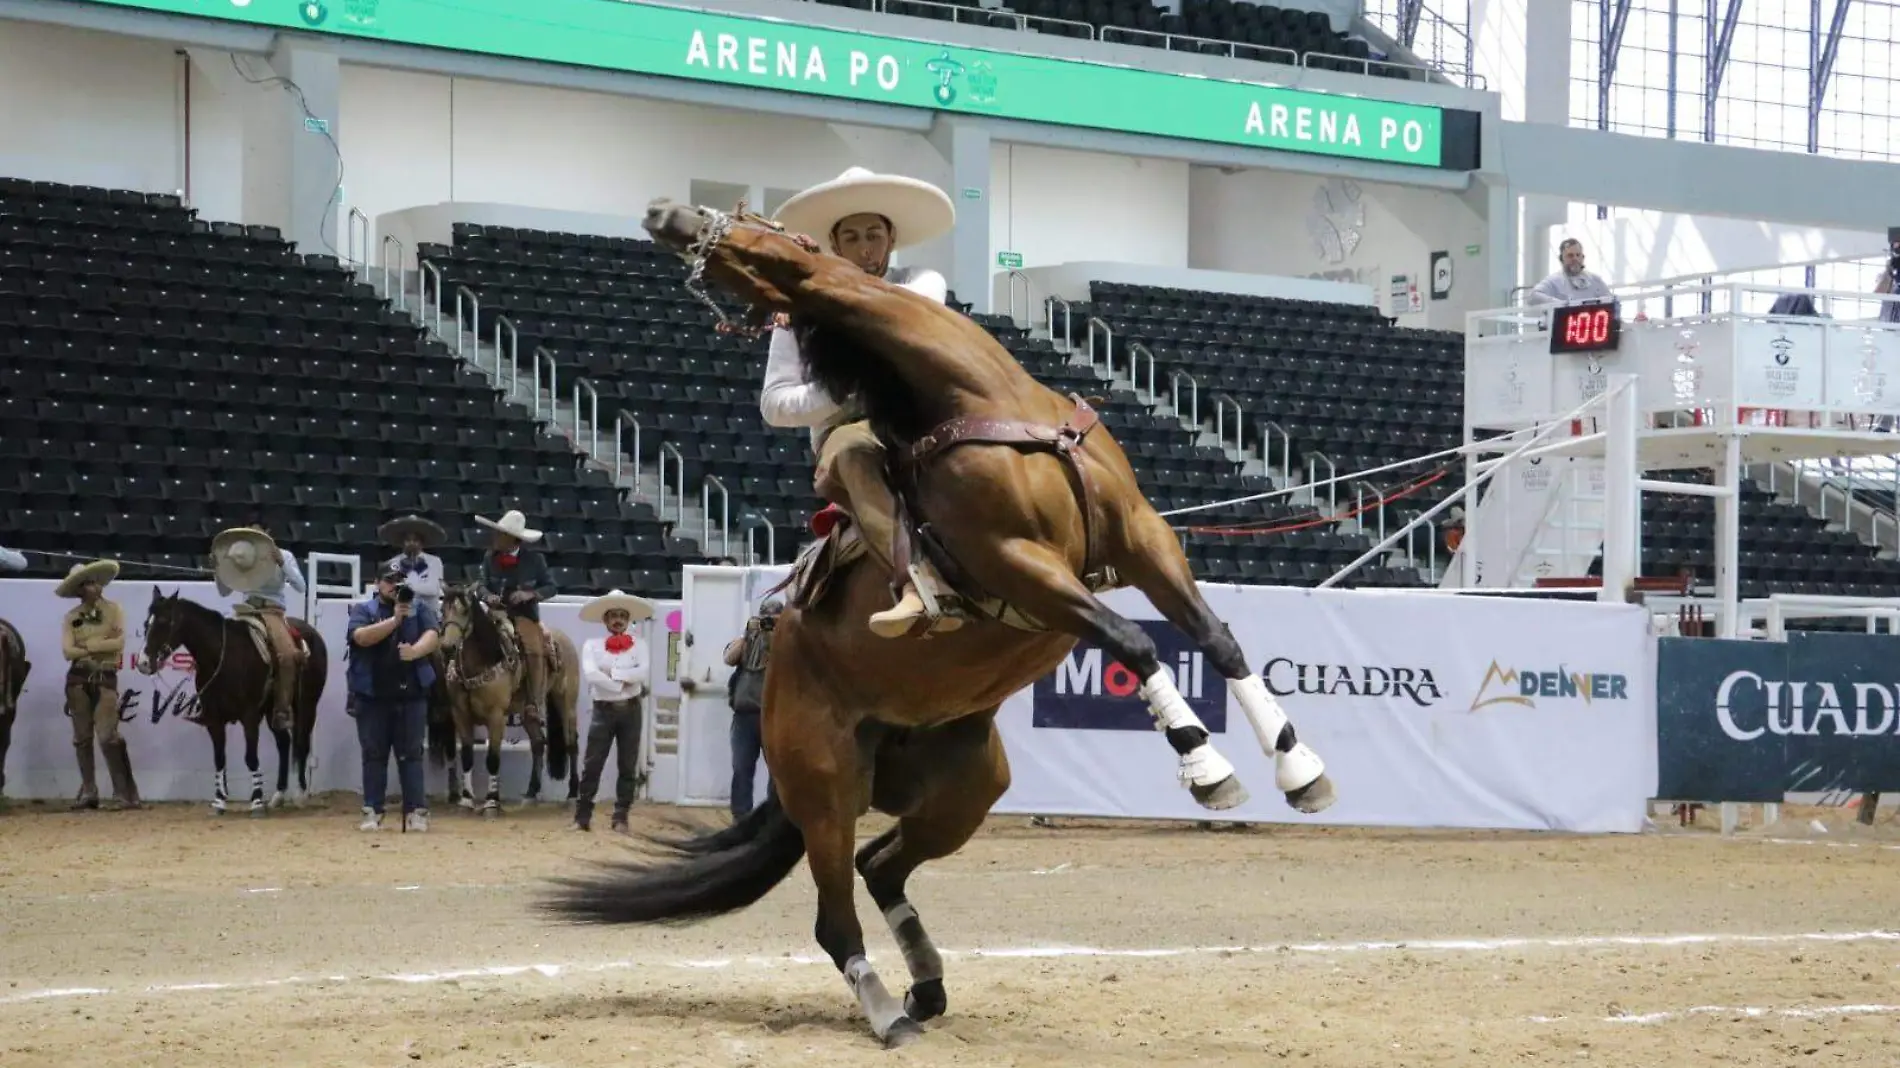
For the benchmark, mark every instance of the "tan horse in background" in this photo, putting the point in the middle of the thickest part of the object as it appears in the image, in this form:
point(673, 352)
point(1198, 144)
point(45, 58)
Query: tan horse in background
point(487, 682)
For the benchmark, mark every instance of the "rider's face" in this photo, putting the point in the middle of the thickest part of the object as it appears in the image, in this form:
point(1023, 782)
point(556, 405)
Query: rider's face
point(617, 622)
point(864, 239)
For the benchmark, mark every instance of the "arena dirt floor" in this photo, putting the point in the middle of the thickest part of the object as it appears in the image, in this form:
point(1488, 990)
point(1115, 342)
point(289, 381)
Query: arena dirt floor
point(167, 937)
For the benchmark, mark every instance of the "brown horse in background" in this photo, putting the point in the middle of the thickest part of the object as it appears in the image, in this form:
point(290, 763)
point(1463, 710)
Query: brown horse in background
point(14, 667)
point(484, 677)
point(233, 683)
point(1028, 507)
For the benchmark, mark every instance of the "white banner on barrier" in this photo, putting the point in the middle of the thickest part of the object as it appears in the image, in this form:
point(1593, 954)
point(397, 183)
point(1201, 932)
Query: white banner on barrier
point(171, 756)
point(1430, 711)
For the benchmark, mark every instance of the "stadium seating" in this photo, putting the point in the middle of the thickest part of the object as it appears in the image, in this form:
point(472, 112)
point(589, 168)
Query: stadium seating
point(1209, 27)
point(163, 377)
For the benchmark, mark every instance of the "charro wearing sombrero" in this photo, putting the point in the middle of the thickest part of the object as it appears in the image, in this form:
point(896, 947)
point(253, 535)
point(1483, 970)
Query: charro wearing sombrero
point(93, 636)
point(422, 571)
point(614, 666)
point(246, 560)
point(518, 578)
point(863, 217)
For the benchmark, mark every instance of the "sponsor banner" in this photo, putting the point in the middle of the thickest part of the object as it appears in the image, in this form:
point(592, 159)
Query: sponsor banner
point(1758, 720)
point(171, 755)
point(1430, 711)
point(725, 49)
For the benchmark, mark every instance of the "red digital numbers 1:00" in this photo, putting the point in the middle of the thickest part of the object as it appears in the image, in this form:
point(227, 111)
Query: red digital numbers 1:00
point(1590, 327)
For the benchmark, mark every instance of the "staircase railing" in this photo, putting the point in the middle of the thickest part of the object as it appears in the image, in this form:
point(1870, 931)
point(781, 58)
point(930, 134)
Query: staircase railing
point(465, 297)
point(1429, 528)
point(1029, 296)
point(1063, 342)
point(1222, 402)
point(1175, 377)
point(582, 385)
point(1096, 323)
point(402, 272)
point(1137, 352)
point(667, 448)
point(752, 522)
point(1361, 490)
point(625, 418)
point(1313, 460)
point(706, 488)
point(505, 326)
point(544, 358)
point(351, 244)
point(1268, 431)
point(426, 270)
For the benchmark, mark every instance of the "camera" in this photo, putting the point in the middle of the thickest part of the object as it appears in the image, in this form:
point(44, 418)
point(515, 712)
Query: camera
point(405, 595)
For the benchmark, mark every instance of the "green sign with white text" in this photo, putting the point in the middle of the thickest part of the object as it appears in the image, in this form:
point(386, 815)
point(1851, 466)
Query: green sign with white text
point(1012, 260)
point(767, 54)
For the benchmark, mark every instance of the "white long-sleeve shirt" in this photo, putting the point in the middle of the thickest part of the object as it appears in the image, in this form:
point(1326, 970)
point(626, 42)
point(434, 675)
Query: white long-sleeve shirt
point(790, 399)
point(614, 676)
point(426, 580)
point(1562, 288)
point(10, 560)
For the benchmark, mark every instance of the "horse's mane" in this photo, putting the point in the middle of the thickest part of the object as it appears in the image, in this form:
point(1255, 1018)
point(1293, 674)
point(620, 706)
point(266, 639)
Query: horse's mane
point(481, 626)
point(192, 607)
point(844, 368)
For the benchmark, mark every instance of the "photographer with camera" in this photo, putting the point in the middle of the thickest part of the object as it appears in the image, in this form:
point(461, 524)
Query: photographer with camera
point(747, 656)
point(391, 635)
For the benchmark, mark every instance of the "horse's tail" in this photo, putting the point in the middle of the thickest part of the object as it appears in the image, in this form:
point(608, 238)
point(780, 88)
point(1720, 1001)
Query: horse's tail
point(557, 736)
point(708, 876)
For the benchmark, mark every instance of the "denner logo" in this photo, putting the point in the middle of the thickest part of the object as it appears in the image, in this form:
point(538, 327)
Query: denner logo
point(1089, 690)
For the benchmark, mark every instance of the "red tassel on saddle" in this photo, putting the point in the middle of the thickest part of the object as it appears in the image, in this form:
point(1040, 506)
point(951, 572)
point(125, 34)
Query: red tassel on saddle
point(827, 518)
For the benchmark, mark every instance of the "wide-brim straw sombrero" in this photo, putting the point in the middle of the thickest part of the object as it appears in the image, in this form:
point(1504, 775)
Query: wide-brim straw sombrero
point(637, 608)
point(241, 558)
point(100, 571)
point(918, 211)
point(513, 524)
point(394, 531)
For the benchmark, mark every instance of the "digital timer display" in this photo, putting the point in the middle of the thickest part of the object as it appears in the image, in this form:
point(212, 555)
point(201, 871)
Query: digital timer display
point(1585, 328)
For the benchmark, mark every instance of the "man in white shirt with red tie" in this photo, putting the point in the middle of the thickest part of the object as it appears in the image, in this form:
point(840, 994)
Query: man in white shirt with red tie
point(614, 666)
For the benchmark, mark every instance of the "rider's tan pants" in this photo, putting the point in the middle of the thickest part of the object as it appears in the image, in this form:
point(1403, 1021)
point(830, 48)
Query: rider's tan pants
point(851, 475)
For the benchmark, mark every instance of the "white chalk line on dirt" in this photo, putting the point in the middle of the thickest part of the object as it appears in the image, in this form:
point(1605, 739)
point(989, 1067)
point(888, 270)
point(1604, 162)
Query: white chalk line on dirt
point(1752, 1012)
point(1429, 945)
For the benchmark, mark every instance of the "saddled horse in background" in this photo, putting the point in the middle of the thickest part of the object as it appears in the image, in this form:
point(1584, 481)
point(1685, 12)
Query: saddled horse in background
point(1029, 508)
point(13, 671)
point(232, 676)
point(485, 677)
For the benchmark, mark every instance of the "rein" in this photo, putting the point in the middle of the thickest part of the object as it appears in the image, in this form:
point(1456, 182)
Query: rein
point(711, 236)
point(177, 622)
point(464, 628)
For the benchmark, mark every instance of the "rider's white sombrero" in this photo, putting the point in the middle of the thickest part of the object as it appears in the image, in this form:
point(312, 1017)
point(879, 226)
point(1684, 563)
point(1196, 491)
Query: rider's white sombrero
point(918, 211)
point(637, 608)
point(513, 524)
point(245, 559)
point(100, 571)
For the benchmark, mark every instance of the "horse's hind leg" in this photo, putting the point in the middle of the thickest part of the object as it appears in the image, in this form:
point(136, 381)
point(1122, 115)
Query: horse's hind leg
point(1159, 569)
point(219, 794)
point(1039, 581)
point(965, 776)
point(254, 765)
point(284, 759)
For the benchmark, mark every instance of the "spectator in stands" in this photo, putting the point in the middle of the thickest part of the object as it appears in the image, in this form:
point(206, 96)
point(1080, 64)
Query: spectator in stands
point(268, 603)
point(392, 633)
point(864, 217)
point(10, 560)
point(747, 656)
point(1889, 309)
point(615, 667)
point(517, 578)
point(93, 637)
point(422, 571)
point(1570, 284)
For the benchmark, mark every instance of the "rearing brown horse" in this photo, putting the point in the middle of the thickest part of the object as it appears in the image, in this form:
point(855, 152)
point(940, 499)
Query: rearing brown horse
point(1026, 503)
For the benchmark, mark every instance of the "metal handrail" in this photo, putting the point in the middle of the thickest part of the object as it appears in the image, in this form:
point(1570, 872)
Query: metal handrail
point(1168, 39)
point(679, 467)
point(958, 11)
point(1222, 402)
point(1063, 343)
point(623, 418)
point(349, 238)
point(475, 318)
point(1268, 428)
point(1313, 459)
point(1359, 488)
point(706, 486)
point(514, 355)
point(1029, 295)
point(1472, 79)
point(581, 383)
point(425, 270)
point(1136, 350)
point(540, 356)
point(1175, 375)
point(402, 273)
point(1107, 331)
point(753, 521)
point(1430, 527)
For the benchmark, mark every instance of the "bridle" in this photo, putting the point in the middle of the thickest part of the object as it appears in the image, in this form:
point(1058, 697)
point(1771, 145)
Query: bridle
point(719, 226)
point(452, 648)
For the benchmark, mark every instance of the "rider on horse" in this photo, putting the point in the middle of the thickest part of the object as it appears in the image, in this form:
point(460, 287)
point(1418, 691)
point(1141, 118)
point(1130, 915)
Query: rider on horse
point(234, 555)
point(863, 217)
point(517, 578)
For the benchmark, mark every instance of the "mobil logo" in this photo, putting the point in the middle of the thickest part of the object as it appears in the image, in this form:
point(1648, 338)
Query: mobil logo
point(1091, 691)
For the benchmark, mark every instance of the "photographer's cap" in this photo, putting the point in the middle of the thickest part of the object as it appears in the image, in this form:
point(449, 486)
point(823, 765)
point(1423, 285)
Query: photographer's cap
point(393, 574)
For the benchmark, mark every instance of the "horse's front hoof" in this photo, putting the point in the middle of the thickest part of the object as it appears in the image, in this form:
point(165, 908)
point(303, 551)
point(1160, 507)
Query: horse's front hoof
point(279, 800)
point(1225, 794)
point(217, 809)
point(903, 1032)
point(467, 803)
point(926, 1000)
point(1315, 797)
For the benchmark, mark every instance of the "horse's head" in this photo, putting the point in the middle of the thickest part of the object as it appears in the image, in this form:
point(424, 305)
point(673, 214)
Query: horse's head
point(705, 238)
point(458, 608)
point(164, 631)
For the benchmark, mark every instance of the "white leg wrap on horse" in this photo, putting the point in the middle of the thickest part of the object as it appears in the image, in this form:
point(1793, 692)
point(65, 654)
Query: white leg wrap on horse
point(880, 1008)
point(1297, 768)
point(1262, 710)
point(920, 955)
point(1166, 704)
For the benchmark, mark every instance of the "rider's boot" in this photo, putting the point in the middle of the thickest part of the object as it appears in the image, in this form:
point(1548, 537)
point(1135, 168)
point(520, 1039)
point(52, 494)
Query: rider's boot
point(918, 602)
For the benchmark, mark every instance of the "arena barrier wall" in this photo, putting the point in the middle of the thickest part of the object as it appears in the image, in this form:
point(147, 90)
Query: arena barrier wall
point(172, 756)
point(1431, 711)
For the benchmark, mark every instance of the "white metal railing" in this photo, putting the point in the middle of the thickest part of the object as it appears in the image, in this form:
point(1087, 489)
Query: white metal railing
point(1313, 460)
point(624, 418)
point(753, 523)
point(1430, 530)
point(1096, 323)
point(548, 382)
point(1222, 402)
point(1137, 353)
point(1268, 431)
point(972, 14)
point(706, 487)
point(402, 271)
point(351, 245)
point(1063, 342)
point(1029, 297)
point(583, 386)
point(1361, 492)
point(1471, 78)
point(426, 270)
point(1172, 41)
point(667, 449)
point(1175, 377)
point(465, 296)
point(506, 326)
